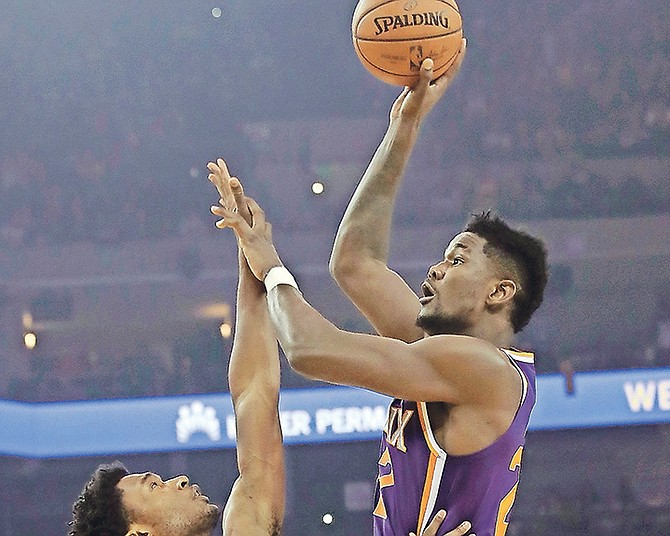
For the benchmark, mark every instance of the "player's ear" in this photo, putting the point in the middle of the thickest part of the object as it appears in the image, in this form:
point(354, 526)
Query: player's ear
point(503, 293)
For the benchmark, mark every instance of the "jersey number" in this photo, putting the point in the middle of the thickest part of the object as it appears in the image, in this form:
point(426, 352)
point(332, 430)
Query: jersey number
point(384, 482)
point(502, 521)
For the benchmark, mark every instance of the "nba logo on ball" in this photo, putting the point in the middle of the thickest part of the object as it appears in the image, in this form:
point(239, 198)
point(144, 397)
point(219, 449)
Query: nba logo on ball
point(415, 58)
point(393, 37)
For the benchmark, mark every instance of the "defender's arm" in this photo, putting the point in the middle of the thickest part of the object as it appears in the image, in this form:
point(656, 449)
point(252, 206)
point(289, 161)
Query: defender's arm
point(255, 506)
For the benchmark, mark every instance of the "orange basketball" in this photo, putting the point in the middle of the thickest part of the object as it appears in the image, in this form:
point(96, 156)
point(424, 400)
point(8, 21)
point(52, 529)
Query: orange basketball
point(393, 37)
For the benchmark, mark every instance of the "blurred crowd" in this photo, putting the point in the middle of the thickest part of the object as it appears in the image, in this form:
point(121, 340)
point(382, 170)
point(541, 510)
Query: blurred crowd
point(110, 112)
point(106, 134)
point(197, 363)
point(107, 128)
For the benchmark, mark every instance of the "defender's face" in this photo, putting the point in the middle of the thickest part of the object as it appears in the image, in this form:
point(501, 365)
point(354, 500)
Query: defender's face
point(170, 507)
point(456, 289)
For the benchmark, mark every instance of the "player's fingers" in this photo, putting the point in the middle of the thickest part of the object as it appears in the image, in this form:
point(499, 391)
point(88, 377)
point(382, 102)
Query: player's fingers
point(461, 54)
point(462, 529)
point(444, 81)
point(223, 212)
point(215, 179)
point(240, 199)
point(431, 529)
point(217, 210)
point(425, 77)
point(427, 69)
point(395, 109)
point(224, 168)
point(223, 188)
point(458, 62)
point(256, 212)
point(229, 219)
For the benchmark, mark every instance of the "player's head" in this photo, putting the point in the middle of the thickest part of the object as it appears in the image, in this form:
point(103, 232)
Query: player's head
point(117, 503)
point(489, 270)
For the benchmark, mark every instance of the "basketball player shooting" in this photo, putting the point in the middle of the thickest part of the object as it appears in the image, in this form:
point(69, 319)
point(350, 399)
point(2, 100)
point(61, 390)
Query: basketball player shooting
point(117, 503)
point(462, 394)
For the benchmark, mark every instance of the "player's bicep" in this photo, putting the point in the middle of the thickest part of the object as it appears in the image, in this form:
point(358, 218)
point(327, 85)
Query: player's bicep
point(384, 298)
point(441, 368)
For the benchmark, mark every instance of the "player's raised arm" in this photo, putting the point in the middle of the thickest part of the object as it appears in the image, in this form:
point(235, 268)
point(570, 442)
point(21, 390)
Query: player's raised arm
point(447, 368)
point(256, 503)
point(359, 259)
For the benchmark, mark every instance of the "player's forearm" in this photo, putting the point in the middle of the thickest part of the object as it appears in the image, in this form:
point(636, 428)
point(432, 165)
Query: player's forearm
point(303, 333)
point(366, 226)
point(318, 349)
point(253, 362)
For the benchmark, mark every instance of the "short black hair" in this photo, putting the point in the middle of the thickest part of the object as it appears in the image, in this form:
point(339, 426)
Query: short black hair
point(99, 511)
point(523, 257)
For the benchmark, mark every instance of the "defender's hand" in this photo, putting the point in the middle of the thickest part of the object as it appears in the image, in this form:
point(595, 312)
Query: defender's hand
point(231, 193)
point(255, 239)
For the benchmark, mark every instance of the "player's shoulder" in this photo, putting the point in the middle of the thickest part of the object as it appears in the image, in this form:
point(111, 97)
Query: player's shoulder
point(521, 356)
point(466, 345)
point(465, 350)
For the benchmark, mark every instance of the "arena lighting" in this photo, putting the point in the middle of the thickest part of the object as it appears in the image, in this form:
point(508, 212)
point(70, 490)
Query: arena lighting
point(318, 188)
point(30, 340)
point(216, 12)
point(226, 330)
point(327, 519)
point(27, 320)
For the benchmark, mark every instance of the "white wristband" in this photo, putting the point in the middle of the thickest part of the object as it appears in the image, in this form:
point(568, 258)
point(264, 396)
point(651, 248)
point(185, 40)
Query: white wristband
point(279, 276)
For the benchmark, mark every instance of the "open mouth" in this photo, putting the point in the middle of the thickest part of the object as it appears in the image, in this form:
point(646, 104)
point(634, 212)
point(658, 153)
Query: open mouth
point(197, 494)
point(428, 293)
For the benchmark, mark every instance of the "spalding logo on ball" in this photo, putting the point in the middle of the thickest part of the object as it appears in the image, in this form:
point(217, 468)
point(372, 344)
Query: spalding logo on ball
point(393, 37)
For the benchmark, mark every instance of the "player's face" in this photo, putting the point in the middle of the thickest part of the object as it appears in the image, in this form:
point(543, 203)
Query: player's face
point(169, 507)
point(456, 289)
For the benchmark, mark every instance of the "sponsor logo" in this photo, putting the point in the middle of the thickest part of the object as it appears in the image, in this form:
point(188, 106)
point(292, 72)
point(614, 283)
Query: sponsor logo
point(197, 418)
point(647, 396)
point(390, 23)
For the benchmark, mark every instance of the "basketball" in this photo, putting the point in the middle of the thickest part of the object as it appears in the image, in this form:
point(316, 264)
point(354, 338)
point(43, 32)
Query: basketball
point(393, 37)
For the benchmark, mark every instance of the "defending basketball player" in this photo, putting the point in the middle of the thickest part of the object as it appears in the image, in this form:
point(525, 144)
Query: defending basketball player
point(121, 504)
point(462, 395)
point(117, 503)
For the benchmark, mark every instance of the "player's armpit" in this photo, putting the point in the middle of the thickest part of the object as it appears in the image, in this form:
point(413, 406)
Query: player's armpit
point(248, 513)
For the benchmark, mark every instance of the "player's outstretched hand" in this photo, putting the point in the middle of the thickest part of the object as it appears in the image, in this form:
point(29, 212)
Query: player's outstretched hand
point(231, 193)
point(255, 239)
point(415, 102)
point(431, 529)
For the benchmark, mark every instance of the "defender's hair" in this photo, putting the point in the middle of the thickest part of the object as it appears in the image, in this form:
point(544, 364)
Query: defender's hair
point(521, 256)
point(98, 511)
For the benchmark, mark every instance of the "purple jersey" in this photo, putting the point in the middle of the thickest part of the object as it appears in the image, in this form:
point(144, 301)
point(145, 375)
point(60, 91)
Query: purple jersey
point(417, 478)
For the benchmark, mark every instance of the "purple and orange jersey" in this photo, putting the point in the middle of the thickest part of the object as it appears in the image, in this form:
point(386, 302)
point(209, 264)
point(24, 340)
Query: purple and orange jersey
point(417, 478)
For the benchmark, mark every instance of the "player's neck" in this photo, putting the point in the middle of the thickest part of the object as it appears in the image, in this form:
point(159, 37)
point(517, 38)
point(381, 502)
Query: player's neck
point(498, 333)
